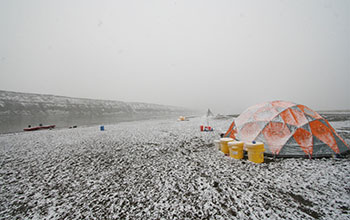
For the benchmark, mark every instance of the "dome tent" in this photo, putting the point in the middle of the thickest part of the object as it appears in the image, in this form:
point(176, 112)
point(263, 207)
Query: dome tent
point(288, 130)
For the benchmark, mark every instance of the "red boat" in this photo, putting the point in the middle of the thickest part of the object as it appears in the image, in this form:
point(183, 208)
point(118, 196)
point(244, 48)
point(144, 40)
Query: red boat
point(39, 128)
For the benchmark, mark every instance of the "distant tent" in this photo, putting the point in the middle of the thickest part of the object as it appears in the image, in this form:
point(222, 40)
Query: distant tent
point(209, 113)
point(288, 130)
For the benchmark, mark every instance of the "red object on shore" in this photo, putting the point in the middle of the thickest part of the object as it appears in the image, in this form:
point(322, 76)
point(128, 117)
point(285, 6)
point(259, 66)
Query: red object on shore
point(39, 128)
point(202, 127)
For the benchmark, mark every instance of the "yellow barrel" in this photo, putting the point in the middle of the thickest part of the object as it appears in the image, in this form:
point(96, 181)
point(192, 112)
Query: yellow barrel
point(217, 144)
point(236, 149)
point(224, 146)
point(255, 151)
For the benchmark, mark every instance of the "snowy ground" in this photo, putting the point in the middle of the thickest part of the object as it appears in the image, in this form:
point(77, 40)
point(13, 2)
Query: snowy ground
point(160, 169)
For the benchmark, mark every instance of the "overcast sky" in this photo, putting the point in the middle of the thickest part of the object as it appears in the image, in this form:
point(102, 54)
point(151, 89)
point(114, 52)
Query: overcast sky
point(222, 54)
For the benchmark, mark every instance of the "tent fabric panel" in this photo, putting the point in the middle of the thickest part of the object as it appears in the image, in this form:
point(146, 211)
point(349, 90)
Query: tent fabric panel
point(257, 106)
point(341, 145)
point(309, 118)
point(291, 148)
point(243, 118)
point(248, 114)
point(282, 104)
point(230, 130)
point(310, 112)
point(321, 148)
point(306, 127)
point(336, 134)
point(261, 138)
point(232, 134)
point(292, 128)
point(294, 117)
point(304, 140)
point(249, 131)
point(278, 118)
point(325, 134)
point(279, 109)
point(266, 113)
point(326, 124)
point(276, 135)
point(228, 133)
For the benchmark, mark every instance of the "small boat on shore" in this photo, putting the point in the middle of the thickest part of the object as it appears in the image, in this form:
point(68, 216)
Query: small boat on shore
point(39, 128)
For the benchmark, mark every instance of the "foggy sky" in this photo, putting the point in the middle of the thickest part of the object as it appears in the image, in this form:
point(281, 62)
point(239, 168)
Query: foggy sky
point(221, 54)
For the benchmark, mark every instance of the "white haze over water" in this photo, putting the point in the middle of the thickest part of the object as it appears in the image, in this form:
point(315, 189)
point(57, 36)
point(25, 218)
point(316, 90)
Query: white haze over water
point(224, 55)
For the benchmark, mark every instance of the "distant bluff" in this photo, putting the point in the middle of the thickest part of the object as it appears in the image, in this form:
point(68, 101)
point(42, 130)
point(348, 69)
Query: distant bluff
point(21, 109)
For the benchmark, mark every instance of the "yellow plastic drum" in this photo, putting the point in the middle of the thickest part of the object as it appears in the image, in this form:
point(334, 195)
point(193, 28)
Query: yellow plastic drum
point(224, 146)
point(255, 152)
point(217, 144)
point(236, 149)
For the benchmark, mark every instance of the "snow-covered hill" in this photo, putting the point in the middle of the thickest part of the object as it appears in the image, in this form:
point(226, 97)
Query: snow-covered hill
point(21, 109)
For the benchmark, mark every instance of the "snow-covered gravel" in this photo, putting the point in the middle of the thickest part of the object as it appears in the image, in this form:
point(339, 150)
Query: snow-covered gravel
point(160, 169)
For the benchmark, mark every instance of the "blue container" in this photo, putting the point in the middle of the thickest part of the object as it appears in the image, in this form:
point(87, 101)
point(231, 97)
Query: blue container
point(102, 128)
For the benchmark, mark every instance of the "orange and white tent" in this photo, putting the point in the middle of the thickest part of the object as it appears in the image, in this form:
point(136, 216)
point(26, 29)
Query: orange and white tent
point(288, 130)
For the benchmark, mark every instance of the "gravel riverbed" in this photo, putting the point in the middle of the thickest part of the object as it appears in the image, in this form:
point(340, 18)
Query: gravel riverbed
point(160, 169)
